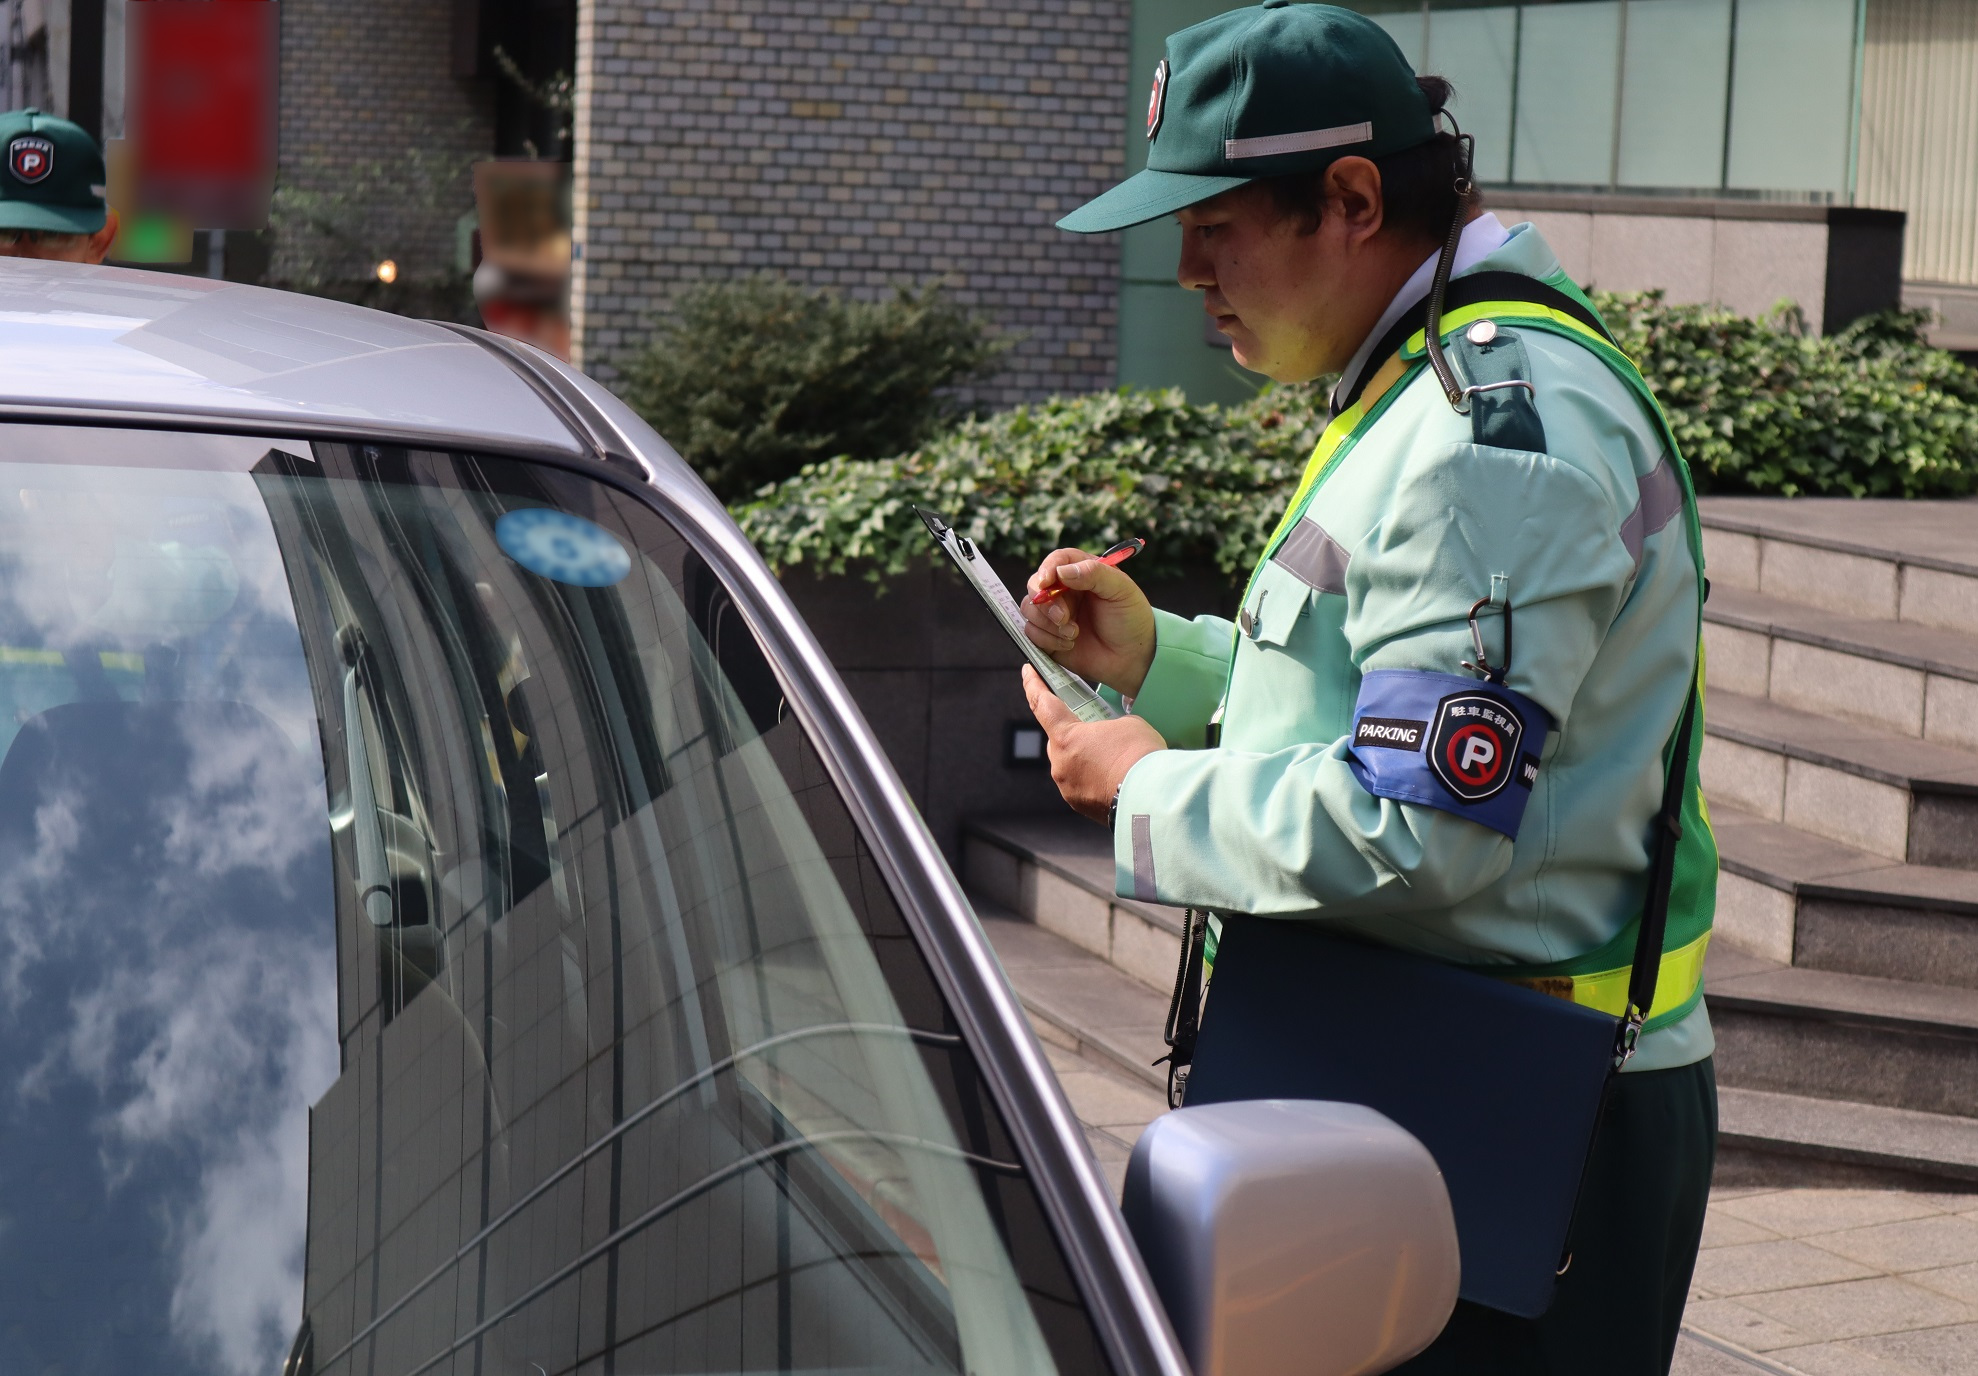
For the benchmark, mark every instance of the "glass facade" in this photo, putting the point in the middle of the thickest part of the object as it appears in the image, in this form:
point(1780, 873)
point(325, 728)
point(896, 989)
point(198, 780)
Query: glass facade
point(1705, 96)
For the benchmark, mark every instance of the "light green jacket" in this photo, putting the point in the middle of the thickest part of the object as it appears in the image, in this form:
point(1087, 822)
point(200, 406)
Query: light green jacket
point(1412, 526)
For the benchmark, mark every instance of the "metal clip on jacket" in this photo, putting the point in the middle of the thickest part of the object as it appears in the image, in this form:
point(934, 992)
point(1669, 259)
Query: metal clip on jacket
point(1462, 402)
point(1631, 1025)
point(1481, 666)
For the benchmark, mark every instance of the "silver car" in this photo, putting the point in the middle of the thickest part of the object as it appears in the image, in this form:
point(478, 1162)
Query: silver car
point(453, 920)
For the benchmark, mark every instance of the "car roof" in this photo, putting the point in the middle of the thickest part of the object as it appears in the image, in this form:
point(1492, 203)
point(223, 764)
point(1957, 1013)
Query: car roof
point(80, 342)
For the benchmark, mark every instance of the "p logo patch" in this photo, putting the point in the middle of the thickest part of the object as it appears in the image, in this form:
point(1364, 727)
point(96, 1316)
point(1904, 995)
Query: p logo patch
point(31, 159)
point(1473, 747)
point(1157, 99)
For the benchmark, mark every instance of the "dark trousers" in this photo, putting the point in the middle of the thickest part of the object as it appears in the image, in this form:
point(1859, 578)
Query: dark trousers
point(1634, 1240)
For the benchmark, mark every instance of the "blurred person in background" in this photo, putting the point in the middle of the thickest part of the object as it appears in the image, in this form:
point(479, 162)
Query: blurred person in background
point(527, 306)
point(51, 190)
point(523, 278)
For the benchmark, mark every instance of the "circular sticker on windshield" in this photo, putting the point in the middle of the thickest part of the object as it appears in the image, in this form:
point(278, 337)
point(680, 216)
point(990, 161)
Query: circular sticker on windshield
point(563, 547)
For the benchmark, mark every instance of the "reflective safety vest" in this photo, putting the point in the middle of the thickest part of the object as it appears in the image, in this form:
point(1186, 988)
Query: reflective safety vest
point(1554, 305)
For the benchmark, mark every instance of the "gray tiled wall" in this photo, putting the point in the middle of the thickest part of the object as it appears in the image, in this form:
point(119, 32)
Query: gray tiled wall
point(854, 145)
point(367, 83)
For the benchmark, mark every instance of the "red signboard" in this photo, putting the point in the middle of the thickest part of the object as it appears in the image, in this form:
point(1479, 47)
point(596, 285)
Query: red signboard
point(201, 107)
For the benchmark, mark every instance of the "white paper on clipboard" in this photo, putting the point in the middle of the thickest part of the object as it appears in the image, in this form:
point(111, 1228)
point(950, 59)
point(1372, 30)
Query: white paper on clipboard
point(1072, 690)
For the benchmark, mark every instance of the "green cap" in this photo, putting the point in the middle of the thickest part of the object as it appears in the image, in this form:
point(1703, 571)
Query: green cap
point(1264, 92)
point(51, 175)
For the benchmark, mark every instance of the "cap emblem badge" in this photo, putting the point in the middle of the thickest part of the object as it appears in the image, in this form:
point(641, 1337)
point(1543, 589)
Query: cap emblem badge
point(1157, 99)
point(31, 159)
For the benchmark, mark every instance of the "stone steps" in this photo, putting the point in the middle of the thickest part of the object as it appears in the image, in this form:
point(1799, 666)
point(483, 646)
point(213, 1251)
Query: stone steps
point(1830, 1035)
point(1865, 786)
point(1058, 873)
point(1939, 1145)
point(1912, 680)
point(1798, 899)
point(1076, 1000)
point(1085, 1005)
point(1783, 894)
point(1914, 562)
point(1842, 975)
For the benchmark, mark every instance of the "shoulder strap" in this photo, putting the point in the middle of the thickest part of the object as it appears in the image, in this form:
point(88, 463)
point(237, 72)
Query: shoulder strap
point(1185, 1008)
point(1470, 290)
point(1661, 872)
point(1503, 409)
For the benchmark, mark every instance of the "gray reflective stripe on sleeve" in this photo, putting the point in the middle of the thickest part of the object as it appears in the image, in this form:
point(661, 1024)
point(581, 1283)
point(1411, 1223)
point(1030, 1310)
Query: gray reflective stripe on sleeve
point(1314, 558)
point(1143, 858)
point(1272, 144)
point(1661, 500)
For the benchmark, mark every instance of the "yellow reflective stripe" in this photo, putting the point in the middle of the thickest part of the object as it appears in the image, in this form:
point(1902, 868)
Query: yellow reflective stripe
point(1334, 435)
point(1607, 990)
point(1418, 342)
point(54, 659)
point(14, 654)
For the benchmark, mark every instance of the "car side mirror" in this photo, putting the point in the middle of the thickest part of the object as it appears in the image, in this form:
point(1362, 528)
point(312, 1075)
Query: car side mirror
point(1293, 1238)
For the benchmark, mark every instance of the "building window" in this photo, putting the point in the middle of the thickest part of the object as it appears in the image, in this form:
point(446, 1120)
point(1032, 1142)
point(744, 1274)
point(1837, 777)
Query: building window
point(1751, 97)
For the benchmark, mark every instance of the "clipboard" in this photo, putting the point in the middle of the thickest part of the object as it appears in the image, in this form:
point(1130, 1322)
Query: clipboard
point(1073, 691)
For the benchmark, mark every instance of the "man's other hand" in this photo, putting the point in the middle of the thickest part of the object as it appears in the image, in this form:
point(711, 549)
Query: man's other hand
point(1088, 758)
point(1101, 626)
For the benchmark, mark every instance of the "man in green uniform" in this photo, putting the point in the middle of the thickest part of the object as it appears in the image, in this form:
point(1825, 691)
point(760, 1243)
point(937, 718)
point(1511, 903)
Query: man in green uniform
point(51, 190)
point(1367, 745)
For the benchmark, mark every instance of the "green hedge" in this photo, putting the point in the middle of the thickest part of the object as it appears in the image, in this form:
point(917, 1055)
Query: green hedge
point(1757, 405)
point(1761, 406)
point(752, 378)
point(1201, 483)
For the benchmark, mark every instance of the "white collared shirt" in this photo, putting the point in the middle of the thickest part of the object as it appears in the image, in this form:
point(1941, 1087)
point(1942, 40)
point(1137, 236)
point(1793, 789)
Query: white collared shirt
point(1482, 237)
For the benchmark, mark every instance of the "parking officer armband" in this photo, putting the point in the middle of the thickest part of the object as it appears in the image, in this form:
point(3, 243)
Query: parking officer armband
point(1463, 745)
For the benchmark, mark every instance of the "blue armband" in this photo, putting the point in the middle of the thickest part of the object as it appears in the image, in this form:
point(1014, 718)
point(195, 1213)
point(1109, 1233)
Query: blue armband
point(1444, 741)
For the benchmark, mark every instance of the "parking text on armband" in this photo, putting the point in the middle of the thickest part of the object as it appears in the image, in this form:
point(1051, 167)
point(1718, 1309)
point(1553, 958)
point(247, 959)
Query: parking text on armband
point(1389, 733)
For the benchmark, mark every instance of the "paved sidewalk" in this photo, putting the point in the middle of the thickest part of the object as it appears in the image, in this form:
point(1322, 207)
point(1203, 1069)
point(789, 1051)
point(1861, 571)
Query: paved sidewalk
point(1112, 1108)
point(1843, 1282)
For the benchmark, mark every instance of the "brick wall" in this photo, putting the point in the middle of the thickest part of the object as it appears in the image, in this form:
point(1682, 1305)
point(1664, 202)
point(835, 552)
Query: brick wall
point(855, 145)
point(364, 82)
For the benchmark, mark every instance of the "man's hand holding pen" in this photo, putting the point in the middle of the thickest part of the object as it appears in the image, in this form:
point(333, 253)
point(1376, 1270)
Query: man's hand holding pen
point(1095, 621)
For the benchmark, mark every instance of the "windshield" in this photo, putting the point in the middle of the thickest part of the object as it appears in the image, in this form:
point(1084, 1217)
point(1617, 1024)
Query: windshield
point(429, 944)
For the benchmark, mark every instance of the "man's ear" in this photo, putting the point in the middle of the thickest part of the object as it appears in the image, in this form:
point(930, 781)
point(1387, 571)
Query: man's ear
point(100, 241)
point(1353, 199)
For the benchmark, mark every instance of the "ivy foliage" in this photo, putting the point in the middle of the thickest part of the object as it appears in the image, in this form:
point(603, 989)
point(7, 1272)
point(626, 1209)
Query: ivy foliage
point(1762, 406)
point(1757, 405)
point(754, 377)
point(1203, 485)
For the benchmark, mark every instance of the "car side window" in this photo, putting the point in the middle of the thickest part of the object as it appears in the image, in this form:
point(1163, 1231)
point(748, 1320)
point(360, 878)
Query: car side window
point(596, 889)
point(428, 943)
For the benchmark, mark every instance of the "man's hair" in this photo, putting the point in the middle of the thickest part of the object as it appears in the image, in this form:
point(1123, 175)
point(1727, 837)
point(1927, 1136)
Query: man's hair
point(1418, 185)
point(42, 237)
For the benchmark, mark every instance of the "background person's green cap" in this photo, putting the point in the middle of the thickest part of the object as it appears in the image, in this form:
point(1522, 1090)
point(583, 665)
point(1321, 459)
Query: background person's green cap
point(1264, 92)
point(51, 175)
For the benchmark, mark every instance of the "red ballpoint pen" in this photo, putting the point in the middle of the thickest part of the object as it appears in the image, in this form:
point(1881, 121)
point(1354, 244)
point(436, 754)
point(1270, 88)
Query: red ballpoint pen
point(1115, 556)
